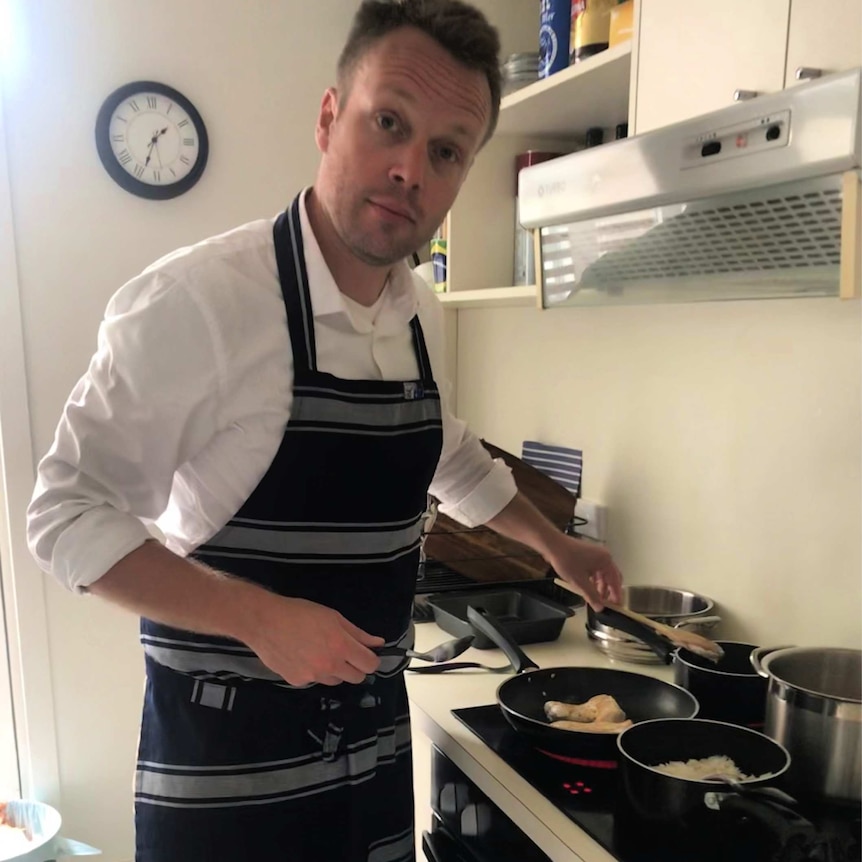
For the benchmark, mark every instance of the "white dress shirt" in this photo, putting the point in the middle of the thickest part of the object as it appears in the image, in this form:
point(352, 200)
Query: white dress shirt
point(184, 404)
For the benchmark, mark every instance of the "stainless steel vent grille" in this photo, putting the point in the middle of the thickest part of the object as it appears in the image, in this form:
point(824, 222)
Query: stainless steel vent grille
point(790, 234)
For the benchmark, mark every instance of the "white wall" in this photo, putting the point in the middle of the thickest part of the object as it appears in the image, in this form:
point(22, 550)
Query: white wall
point(725, 438)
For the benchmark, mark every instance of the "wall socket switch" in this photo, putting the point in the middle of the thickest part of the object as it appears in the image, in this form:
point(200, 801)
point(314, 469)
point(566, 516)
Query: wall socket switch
point(596, 515)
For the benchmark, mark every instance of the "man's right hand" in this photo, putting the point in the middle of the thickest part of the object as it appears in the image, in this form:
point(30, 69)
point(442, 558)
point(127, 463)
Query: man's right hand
point(301, 641)
point(304, 642)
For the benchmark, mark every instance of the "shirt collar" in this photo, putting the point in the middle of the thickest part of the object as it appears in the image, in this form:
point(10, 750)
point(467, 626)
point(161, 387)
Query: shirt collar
point(400, 301)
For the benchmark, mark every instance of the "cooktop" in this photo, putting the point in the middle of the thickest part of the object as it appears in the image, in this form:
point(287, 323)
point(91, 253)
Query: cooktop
point(592, 799)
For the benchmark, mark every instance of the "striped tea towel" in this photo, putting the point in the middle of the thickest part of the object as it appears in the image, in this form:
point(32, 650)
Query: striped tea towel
point(559, 462)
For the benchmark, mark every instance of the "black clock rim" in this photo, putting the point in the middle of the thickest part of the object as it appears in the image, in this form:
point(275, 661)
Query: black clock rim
point(122, 177)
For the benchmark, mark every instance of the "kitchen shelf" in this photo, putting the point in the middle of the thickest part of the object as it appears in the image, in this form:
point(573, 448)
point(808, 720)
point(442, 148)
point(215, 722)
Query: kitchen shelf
point(499, 297)
point(595, 90)
point(550, 114)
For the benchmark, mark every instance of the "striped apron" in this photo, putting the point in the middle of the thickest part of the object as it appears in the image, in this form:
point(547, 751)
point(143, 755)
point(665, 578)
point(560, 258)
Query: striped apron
point(234, 763)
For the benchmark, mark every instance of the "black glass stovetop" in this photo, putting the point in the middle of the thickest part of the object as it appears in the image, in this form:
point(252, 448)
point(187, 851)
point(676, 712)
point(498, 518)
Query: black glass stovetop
point(592, 799)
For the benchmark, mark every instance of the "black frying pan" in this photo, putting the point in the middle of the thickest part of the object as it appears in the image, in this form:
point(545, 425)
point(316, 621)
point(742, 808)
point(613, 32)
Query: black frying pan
point(522, 700)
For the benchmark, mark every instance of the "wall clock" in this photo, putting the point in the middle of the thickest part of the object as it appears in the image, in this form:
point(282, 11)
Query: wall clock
point(151, 140)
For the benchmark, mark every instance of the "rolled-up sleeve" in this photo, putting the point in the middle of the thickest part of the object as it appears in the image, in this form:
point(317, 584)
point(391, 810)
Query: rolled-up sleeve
point(148, 400)
point(471, 486)
point(474, 504)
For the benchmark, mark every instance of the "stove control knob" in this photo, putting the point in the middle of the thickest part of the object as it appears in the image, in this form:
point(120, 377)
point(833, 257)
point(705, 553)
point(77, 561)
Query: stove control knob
point(454, 798)
point(476, 820)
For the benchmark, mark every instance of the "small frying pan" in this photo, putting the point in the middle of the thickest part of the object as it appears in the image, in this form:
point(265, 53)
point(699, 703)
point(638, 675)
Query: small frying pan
point(522, 699)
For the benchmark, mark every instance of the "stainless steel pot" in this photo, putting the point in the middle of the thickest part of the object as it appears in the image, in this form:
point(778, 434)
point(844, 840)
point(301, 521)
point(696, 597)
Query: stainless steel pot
point(814, 709)
point(668, 605)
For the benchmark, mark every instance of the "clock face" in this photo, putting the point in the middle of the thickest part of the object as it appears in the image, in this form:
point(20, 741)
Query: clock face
point(151, 140)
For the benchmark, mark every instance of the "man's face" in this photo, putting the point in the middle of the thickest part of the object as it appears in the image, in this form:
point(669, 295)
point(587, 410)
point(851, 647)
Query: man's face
point(397, 149)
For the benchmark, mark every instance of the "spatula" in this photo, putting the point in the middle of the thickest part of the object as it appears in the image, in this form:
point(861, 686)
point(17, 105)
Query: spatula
point(689, 640)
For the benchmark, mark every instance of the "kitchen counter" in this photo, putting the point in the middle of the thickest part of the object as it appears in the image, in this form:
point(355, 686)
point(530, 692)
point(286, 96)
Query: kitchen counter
point(433, 697)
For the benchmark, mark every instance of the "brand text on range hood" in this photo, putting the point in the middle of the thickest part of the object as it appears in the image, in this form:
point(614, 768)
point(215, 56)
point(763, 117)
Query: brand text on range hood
point(760, 192)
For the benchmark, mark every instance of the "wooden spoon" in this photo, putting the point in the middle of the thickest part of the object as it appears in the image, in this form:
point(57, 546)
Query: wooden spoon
point(689, 640)
point(698, 644)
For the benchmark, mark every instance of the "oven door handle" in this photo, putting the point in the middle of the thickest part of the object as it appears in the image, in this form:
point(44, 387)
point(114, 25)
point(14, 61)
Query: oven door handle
point(439, 847)
point(428, 847)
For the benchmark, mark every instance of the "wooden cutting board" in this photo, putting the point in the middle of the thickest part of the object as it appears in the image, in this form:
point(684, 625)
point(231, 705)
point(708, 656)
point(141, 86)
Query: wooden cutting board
point(483, 555)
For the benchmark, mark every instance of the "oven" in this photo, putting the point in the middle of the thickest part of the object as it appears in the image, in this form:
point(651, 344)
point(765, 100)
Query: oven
point(466, 825)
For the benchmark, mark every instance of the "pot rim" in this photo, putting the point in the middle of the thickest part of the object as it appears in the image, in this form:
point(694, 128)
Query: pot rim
point(707, 782)
point(768, 658)
point(714, 670)
point(710, 603)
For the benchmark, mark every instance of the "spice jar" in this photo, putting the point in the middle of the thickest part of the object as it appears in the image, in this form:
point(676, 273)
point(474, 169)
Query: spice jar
point(590, 27)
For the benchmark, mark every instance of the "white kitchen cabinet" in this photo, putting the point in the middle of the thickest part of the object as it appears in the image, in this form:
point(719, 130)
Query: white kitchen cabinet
point(825, 35)
point(693, 57)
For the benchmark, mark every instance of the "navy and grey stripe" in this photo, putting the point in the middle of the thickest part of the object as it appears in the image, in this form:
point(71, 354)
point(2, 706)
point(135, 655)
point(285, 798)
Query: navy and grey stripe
point(288, 541)
point(207, 658)
point(328, 412)
point(561, 463)
point(231, 786)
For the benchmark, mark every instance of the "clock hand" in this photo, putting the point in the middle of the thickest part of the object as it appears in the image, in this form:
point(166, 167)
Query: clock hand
point(153, 141)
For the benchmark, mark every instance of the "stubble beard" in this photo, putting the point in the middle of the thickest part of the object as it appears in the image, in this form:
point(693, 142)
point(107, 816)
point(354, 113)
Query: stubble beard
point(377, 248)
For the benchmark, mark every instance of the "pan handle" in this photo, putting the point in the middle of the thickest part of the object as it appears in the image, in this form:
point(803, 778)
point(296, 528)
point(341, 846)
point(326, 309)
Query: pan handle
point(487, 624)
point(659, 644)
point(789, 828)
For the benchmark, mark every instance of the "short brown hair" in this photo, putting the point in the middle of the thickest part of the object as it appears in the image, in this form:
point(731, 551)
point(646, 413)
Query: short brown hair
point(456, 26)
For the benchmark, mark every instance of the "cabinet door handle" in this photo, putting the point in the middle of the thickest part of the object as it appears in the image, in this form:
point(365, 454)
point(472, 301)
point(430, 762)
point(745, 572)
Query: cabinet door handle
point(806, 73)
point(744, 95)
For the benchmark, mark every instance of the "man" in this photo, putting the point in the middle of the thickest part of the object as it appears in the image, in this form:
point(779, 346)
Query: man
point(268, 398)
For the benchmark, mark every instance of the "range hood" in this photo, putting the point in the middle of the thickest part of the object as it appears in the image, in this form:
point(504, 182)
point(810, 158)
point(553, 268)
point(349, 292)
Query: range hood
point(760, 199)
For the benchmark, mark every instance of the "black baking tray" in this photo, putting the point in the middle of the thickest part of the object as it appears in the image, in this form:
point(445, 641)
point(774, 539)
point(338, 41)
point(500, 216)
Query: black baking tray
point(527, 618)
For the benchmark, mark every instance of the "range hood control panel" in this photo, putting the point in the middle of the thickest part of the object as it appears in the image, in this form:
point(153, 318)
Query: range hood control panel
point(766, 132)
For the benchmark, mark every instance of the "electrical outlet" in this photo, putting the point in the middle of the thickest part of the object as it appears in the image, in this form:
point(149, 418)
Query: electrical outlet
point(596, 516)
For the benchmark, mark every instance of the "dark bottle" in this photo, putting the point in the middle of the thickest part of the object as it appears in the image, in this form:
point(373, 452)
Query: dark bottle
point(595, 136)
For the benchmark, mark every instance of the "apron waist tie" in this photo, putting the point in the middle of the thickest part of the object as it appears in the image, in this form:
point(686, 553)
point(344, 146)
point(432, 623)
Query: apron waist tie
point(335, 714)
